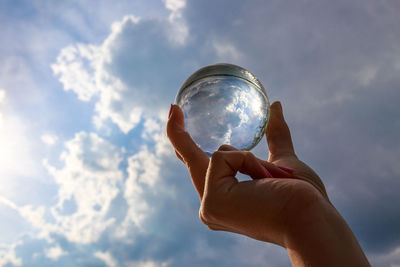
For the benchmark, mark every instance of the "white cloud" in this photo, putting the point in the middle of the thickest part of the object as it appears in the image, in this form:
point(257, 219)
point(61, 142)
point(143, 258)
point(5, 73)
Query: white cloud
point(151, 126)
point(178, 30)
point(16, 146)
point(148, 263)
point(74, 64)
point(81, 69)
point(143, 175)
point(145, 181)
point(175, 5)
point(8, 203)
point(49, 139)
point(106, 257)
point(226, 51)
point(55, 252)
point(154, 130)
point(130, 73)
point(8, 255)
point(89, 180)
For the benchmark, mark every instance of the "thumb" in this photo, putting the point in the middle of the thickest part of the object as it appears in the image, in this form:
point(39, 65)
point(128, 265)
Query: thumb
point(278, 134)
point(180, 139)
point(186, 149)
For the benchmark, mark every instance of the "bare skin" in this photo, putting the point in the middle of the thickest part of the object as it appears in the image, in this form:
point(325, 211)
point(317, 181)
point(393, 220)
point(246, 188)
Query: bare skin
point(287, 207)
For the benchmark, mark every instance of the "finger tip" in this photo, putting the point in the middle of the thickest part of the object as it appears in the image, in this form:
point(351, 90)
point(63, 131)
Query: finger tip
point(276, 116)
point(176, 121)
point(174, 112)
point(226, 147)
point(276, 107)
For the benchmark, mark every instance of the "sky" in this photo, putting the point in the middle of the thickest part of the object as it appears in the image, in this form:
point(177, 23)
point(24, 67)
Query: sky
point(88, 177)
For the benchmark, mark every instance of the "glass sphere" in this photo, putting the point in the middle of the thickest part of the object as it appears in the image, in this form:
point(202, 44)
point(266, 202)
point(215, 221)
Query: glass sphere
point(224, 104)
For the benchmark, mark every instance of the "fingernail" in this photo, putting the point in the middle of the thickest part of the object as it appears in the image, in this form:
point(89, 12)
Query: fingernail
point(267, 173)
point(170, 111)
point(286, 169)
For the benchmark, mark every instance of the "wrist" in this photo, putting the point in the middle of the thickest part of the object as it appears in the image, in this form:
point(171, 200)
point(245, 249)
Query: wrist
point(320, 237)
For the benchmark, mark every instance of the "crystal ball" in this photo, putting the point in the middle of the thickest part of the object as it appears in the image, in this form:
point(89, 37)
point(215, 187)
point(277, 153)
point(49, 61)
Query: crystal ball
point(224, 104)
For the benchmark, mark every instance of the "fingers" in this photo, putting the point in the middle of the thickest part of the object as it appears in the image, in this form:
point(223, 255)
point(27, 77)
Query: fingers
point(186, 149)
point(278, 134)
point(225, 164)
point(278, 138)
point(273, 171)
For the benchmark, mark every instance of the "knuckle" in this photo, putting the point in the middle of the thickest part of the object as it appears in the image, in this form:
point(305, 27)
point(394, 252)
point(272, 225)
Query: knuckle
point(248, 154)
point(207, 217)
point(225, 147)
point(203, 216)
point(217, 155)
point(213, 228)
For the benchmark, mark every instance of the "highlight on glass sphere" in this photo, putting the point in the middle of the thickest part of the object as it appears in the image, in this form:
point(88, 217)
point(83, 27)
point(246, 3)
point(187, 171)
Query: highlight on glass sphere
point(224, 104)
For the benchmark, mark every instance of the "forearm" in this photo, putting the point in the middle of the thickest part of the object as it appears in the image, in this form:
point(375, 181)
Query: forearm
point(322, 238)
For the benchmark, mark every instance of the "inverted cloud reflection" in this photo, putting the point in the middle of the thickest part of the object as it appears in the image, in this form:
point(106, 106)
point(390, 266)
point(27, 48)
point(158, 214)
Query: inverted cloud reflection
point(224, 110)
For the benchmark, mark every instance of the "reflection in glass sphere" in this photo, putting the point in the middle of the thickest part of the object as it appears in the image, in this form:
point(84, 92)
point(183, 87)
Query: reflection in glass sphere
point(224, 104)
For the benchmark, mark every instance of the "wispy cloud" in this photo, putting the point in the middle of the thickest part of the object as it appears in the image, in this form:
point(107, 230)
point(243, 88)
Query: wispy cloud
point(55, 252)
point(8, 255)
point(107, 258)
point(49, 139)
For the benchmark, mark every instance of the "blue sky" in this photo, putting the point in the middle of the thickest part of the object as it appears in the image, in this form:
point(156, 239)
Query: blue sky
point(87, 175)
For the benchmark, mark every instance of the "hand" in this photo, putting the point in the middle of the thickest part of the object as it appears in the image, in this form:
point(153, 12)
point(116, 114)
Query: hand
point(275, 206)
point(246, 207)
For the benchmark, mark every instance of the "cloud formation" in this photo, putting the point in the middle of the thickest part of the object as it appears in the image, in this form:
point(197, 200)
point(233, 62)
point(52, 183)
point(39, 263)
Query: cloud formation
point(126, 85)
point(87, 185)
point(122, 199)
point(8, 255)
point(55, 253)
point(106, 257)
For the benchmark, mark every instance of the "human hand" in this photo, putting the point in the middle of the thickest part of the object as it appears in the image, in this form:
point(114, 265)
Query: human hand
point(257, 208)
point(282, 207)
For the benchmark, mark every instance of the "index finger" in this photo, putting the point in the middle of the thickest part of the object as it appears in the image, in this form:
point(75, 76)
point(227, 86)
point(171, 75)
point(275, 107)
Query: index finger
point(225, 164)
point(194, 158)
